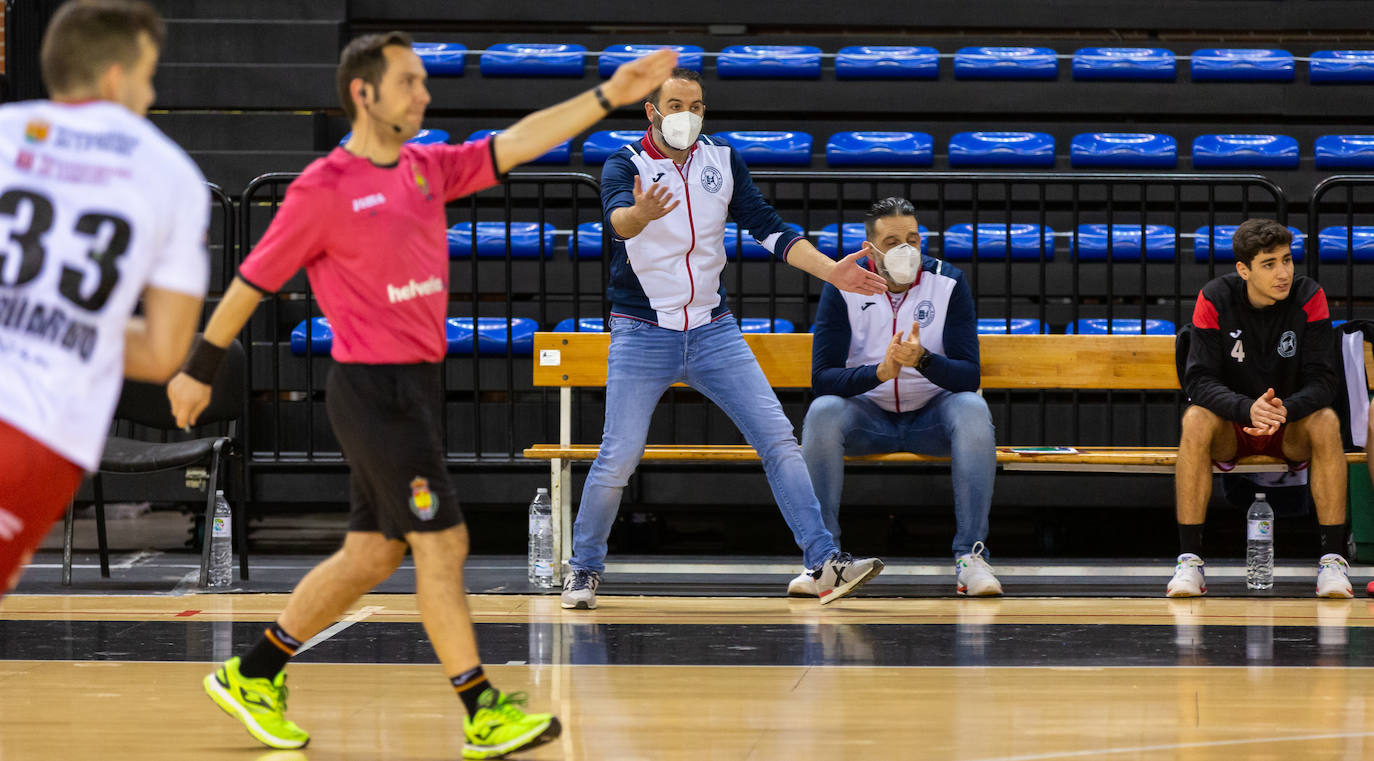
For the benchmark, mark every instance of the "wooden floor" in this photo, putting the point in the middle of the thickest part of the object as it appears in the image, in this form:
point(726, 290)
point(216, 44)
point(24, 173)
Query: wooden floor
point(86, 707)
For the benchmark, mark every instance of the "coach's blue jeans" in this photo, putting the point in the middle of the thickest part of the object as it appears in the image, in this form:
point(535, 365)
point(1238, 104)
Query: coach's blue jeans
point(713, 359)
point(954, 425)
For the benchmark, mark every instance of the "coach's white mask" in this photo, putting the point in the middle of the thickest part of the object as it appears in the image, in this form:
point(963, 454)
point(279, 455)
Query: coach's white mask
point(679, 130)
point(902, 262)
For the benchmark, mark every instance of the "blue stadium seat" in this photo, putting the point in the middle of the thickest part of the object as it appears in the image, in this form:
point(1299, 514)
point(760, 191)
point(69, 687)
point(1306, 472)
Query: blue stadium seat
point(887, 62)
point(1242, 65)
point(880, 149)
point(1020, 326)
point(600, 145)
point(1135, 64)
point(1224, 252)
point(491, 240)
point(1125, 243)
point(827, 241)
point(1341, 66)
point(321, 337)
point(580, 325)
point(1245, 152)
point(688, 56)
point(491, 336)
point(423, 137)
point(760, 325)
point(1334, 243)
point(559, 154)
point(735, 240)
point(993, 243)
point(768, 148)
point(1095, 326)
point(588, 245)
point(1345, 152)
point(1005, 63)
point(441, 59)
point(1005, 149)
point(520, 59)
point(1092, 150)
point(769, 62)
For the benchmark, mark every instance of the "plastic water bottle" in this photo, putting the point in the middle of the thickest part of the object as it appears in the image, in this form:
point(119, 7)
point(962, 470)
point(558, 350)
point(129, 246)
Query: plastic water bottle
point(541, 540)
point(221, 543)
point(1259, 544)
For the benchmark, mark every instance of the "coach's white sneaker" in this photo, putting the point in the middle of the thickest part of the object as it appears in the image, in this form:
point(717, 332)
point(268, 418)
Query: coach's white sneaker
point(802, 586)
point(973, 576)
point(842, 573)
point(579, 589)
point(1333, 577)
point(1188, 580)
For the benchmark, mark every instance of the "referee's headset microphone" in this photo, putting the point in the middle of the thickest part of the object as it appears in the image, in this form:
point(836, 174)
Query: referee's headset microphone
point(394, 127)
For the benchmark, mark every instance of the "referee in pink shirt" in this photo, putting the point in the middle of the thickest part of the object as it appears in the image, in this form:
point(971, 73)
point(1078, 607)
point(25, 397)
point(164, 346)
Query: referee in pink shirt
point(367, 223)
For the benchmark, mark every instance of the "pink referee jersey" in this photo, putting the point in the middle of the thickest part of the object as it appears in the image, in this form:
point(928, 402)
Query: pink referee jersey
point(373, 243)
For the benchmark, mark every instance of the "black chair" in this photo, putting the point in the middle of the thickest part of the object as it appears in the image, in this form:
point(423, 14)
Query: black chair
point(146, 405)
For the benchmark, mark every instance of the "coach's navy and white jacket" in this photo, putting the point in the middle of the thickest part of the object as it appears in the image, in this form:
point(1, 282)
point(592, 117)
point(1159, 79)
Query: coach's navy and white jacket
point(669, 274)
point(852, 334)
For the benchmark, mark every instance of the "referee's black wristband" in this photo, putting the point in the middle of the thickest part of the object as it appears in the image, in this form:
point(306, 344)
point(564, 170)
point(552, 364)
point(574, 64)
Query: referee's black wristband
point(601, 98)
point(204, 360)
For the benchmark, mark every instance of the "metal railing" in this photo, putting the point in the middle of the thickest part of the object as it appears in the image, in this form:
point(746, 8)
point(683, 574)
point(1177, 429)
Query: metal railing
point(492, 411)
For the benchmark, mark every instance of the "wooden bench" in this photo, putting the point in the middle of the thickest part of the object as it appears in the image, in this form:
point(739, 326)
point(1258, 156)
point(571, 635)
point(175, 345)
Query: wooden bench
point(1009, 362)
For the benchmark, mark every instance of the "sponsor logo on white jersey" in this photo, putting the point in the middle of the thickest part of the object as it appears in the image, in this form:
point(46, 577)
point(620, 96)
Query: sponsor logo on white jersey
point(413, 290)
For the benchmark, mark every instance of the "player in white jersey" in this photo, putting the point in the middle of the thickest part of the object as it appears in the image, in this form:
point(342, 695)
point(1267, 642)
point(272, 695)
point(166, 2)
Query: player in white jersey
point(98, 211)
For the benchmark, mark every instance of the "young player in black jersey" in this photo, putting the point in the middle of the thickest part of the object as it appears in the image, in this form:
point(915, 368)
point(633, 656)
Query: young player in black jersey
point(1261, 377)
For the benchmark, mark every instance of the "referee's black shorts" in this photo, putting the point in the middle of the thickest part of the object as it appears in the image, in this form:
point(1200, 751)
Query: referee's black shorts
point(387, 419)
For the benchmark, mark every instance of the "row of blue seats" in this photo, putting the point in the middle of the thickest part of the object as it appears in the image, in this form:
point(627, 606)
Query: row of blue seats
point(994, 239)
point(912, 62)
point(490, 336)
point(1087, 150)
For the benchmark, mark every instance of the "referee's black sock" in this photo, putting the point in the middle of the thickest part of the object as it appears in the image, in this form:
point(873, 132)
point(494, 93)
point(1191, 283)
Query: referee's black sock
point(269, 654)
point(1332, 539)
point(470, 685)
point(1190, 538)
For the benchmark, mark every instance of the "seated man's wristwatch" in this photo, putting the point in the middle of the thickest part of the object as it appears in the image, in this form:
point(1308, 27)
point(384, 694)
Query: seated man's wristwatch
point(923, 362)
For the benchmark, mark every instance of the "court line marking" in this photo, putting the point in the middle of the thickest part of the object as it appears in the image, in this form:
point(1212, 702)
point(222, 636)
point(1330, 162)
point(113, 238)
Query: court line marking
point(1180, 746)
point(352, 618)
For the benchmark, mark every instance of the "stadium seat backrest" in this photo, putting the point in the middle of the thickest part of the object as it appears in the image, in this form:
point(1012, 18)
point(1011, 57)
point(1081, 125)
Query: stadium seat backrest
point(1242, 65)
point(520, 59)
point(769, 62)
point(1005, 149)
point(1134, 64)
point(1345, 152)
point(879, 149)
point(1245, 152)
point(1005, 63)
point(887, 62)
point(770, 148)
point(688, 56)
point(1341, 66)
point(1123, 150)
point(441, 59)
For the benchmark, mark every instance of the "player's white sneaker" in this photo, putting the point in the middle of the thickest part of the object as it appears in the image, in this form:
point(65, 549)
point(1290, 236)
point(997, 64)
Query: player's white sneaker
point(1333, 577)
point(802, 586)
point(1188, 580)
point(973, 576)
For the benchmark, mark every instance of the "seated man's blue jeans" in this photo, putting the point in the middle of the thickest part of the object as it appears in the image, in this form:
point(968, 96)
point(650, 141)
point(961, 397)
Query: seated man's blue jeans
point(954, 425)
point(713, 359)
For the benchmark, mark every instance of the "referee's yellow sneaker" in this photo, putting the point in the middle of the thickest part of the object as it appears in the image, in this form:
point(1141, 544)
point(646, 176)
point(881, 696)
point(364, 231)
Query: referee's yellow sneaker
point(500, 726)
point(260, 704)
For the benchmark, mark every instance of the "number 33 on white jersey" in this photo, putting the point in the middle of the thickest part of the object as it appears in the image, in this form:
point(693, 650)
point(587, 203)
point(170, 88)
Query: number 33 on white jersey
point(95, 205)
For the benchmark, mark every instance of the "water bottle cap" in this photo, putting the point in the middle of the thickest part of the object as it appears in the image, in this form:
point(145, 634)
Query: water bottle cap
point(541, 490)
point(1259, 495)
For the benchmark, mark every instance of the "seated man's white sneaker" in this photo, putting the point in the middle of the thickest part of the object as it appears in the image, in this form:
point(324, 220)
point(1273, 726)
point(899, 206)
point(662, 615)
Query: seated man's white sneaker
point(973, 577)
point(1188, 579)
point(803, 586)
point(1333, 577)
